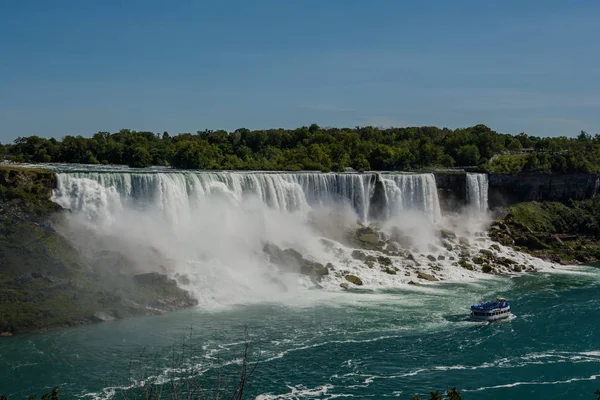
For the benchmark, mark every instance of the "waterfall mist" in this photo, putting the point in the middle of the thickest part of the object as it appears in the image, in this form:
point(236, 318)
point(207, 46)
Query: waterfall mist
point(208, 229)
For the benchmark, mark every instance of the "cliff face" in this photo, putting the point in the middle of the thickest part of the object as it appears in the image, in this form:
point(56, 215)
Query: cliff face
point(505, 190)
point(452, 190)
point(45, 282)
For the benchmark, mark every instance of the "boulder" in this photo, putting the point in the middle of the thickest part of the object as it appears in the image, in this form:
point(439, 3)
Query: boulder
point(427, 277)
point(370, 264)
point(530, 242)
point(463, 241)
point(431, 258)
point(330, 266)
point(447, 234)
point(384, 260)
point(465, 264)
point(517, 268)
point(414, 283)
point(393, 247)
point(370, 258)
point(486, 268)
point(359, 255)
point(478, 260)
point(495, 247)
point(389, 271)
point(447, 245)
point(354, 279)
point(441, 258)
point(313, 269)
point(486, 253)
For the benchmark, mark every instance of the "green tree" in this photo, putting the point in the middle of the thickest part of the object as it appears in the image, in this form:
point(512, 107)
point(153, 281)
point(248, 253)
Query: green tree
point(140, 158)
point(467, 155)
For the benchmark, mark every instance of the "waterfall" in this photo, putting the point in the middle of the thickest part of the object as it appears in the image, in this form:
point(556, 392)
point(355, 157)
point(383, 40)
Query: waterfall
point(477, 192)
point(176, 192)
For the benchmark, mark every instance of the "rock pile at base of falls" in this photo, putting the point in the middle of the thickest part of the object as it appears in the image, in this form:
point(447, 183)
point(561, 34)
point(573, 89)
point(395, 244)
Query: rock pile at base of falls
point(371, 256)
point(293, 261)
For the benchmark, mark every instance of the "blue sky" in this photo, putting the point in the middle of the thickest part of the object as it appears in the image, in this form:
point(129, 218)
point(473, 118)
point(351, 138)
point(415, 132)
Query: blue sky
point(77, 67)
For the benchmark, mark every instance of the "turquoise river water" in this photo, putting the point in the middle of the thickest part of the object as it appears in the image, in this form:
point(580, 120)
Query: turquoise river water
point(370, 344)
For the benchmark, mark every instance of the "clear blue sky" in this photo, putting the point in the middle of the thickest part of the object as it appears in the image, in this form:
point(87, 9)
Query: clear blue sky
point(81, 66)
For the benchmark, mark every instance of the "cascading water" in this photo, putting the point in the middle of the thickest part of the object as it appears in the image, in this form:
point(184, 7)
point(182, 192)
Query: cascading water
point(175, 192)
point(212, 227)
point(477, 192)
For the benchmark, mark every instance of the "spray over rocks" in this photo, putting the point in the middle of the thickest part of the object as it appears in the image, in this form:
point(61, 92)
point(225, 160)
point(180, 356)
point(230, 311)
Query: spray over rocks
point(231, 237)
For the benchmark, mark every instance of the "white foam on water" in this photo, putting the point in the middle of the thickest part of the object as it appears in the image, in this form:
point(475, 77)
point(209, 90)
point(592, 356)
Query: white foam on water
point(515, 384)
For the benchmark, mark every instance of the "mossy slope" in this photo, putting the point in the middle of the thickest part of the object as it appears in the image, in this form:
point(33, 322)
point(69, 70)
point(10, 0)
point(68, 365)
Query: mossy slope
point(46, 283)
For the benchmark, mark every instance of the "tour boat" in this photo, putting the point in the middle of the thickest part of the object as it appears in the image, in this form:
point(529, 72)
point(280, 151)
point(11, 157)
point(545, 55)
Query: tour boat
point(491, 311)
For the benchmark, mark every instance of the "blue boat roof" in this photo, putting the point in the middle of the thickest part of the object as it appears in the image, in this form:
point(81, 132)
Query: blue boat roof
point(491, 305)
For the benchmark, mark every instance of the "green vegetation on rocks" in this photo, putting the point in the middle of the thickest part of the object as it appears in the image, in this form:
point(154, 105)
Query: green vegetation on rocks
point(566, 233)
point(46, 283)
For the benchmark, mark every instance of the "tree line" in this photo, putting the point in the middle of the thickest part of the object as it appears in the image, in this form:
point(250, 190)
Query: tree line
point(319, 149)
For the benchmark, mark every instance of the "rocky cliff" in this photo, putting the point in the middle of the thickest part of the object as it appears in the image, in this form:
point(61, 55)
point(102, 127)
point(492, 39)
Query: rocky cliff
point(505, 190)
point(45, 282)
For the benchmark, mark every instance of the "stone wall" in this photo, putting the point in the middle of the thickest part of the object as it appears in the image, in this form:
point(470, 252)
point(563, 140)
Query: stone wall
point(505, 190)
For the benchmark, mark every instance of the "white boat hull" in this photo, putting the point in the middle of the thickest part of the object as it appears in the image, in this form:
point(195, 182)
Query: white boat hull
point(492, 315)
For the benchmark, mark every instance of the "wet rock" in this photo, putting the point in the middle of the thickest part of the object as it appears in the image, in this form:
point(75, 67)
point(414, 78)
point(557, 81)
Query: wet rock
point(359, 255)
point(431, 258)
point(530, 242)
point(507, 262)
point(330, 266)
point(344, 285)
point(389, 271)
point(368, 235)
point(370, 258)
point(486, 268)
point(478, 260)
point(427, 277)
point(517, 268)
point(370, 264)
point(465, 264)
point(495, 247)
point(463, 241)
point(447, 234)
point(447, 245)
point(313, 268)
point(441, 258)
point(384, 260)
point(414, 283)
point(486, 253)
point(354, 279)
point(410, 257)
point(153, 278)
point(393, 247)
